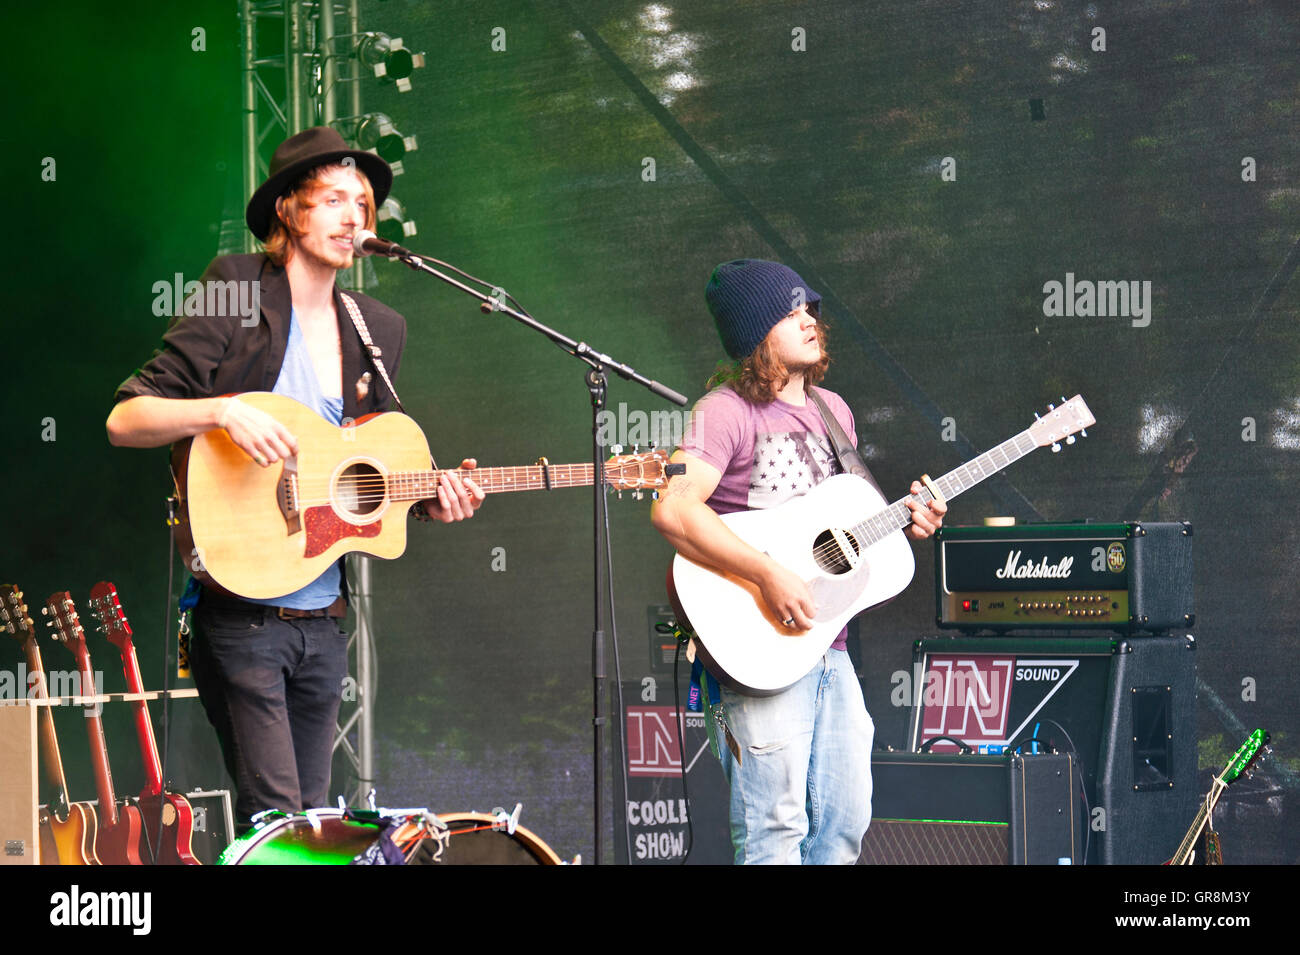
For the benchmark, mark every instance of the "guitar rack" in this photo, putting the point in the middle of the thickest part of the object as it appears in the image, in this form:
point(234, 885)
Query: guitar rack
point(20, 769)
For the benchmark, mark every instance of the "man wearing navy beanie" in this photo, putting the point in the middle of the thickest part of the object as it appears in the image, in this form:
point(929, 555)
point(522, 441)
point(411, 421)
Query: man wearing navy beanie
point(798, 762)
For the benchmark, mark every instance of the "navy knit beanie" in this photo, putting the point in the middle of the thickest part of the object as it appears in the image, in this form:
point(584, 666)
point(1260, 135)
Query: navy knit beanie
point(748, 296)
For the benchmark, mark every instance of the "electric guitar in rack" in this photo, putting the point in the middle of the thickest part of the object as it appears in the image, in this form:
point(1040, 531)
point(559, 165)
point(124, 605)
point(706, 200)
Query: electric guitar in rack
point(67, 828)
point(120, 827)
point(846, 544)
point(262, 532)
point(168, 817)
point(1238, 766)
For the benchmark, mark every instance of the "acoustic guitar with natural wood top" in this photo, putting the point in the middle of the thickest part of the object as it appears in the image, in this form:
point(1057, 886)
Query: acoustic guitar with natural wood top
point(263, 532)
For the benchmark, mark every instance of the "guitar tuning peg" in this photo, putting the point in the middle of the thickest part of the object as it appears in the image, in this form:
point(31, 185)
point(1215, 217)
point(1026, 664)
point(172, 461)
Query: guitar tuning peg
point(1070, 440)
point(636, 448)
point(1056, 446)
point(654, 495)
point(616, 449)
point(1062, 399)
point(650, 446)
point(1083, 432)
point(1051, 407)
point(619, 493)
point(637, 495)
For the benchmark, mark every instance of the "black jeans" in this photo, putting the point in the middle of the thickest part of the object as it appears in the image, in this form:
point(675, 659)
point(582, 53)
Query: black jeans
point(271, 689)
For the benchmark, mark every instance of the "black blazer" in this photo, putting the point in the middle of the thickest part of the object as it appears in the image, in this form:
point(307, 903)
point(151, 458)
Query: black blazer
point(208, 355)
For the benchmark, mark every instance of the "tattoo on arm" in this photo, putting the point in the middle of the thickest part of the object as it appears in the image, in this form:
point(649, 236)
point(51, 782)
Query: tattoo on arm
point(678, 488)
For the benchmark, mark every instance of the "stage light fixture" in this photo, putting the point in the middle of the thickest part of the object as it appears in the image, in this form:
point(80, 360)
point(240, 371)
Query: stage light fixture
point(391, 61)
point(392, 223)
point(376, 132)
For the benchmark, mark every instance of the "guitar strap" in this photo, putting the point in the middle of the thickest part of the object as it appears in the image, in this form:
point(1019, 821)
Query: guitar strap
point(845, 453)
point(376, 358)
point(376, 354)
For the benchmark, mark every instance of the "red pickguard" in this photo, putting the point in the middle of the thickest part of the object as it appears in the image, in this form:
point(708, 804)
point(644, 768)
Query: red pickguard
point(325, 528)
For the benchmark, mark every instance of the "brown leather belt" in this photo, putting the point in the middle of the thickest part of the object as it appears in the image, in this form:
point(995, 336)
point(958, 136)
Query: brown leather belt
point(338, 609)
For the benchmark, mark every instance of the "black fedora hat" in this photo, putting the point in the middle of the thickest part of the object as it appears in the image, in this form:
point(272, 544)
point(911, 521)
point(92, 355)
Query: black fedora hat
point(298, 155)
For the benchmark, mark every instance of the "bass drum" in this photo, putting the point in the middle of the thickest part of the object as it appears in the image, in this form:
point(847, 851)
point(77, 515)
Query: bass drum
point(317, 837)
point(473, 840)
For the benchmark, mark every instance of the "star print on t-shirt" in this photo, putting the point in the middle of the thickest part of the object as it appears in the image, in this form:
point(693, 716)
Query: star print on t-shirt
point(787, 464)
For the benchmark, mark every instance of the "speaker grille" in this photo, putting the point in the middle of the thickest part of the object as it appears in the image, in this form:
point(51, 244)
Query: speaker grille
point(909, 842)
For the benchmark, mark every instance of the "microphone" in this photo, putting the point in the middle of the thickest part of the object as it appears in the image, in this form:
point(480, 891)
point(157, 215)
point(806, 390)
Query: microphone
point(365, 242)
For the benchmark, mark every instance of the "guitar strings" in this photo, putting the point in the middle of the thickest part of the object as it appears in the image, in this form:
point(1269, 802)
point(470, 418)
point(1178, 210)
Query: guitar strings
point(372, 489)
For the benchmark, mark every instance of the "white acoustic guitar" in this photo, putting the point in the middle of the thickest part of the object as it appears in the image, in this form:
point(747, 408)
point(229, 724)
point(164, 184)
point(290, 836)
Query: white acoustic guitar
point(846, 544)
point(262, 533)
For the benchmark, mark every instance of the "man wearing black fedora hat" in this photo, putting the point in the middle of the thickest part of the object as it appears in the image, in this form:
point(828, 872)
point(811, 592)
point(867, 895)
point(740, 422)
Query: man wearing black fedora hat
point(270, 672)
point(798, 762)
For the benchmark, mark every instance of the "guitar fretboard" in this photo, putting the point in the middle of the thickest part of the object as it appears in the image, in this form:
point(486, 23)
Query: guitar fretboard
point(898, 515)
point(419, 485)
point(1202, 814)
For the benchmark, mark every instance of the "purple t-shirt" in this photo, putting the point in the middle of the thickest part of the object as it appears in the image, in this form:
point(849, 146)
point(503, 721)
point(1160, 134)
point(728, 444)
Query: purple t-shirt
point(767, 453)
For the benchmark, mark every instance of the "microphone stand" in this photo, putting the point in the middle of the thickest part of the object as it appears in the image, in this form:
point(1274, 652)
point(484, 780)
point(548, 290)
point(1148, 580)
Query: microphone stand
point(598, 363)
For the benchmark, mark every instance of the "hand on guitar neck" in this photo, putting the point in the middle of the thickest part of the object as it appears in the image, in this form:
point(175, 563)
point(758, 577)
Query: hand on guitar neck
point(927, 517)
point(458, 496)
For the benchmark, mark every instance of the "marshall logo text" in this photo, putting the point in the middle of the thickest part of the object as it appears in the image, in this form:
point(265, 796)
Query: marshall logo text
point(1015, 570)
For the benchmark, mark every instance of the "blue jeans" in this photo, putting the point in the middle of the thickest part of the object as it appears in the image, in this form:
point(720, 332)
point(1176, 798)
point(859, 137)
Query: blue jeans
point(801, 792)
point(271, 689)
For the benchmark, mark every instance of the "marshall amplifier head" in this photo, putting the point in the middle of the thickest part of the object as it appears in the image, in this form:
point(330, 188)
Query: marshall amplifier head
point(1124, 577)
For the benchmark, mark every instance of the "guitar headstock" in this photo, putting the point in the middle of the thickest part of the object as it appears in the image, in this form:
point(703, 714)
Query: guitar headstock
point(642, 471)
point(108, 611)
point(1062, 422)
point(13, 614)
point(64, 620)
point(1246, 754)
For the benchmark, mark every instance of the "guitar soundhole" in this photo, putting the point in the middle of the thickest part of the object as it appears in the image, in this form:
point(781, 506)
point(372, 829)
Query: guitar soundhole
point(829, 553)
point(359, 489)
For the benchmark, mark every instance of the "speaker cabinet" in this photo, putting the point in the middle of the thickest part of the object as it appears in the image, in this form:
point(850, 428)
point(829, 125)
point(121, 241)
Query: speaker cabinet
point(1146, 781)
point(950, 809)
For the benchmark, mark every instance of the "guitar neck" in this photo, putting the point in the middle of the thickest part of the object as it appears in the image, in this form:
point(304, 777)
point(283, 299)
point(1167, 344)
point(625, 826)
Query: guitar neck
point(421, 485)
point(1185, 847)
point(143, 725)
point(50, 755)
point(98, 744)
point(898, 515)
